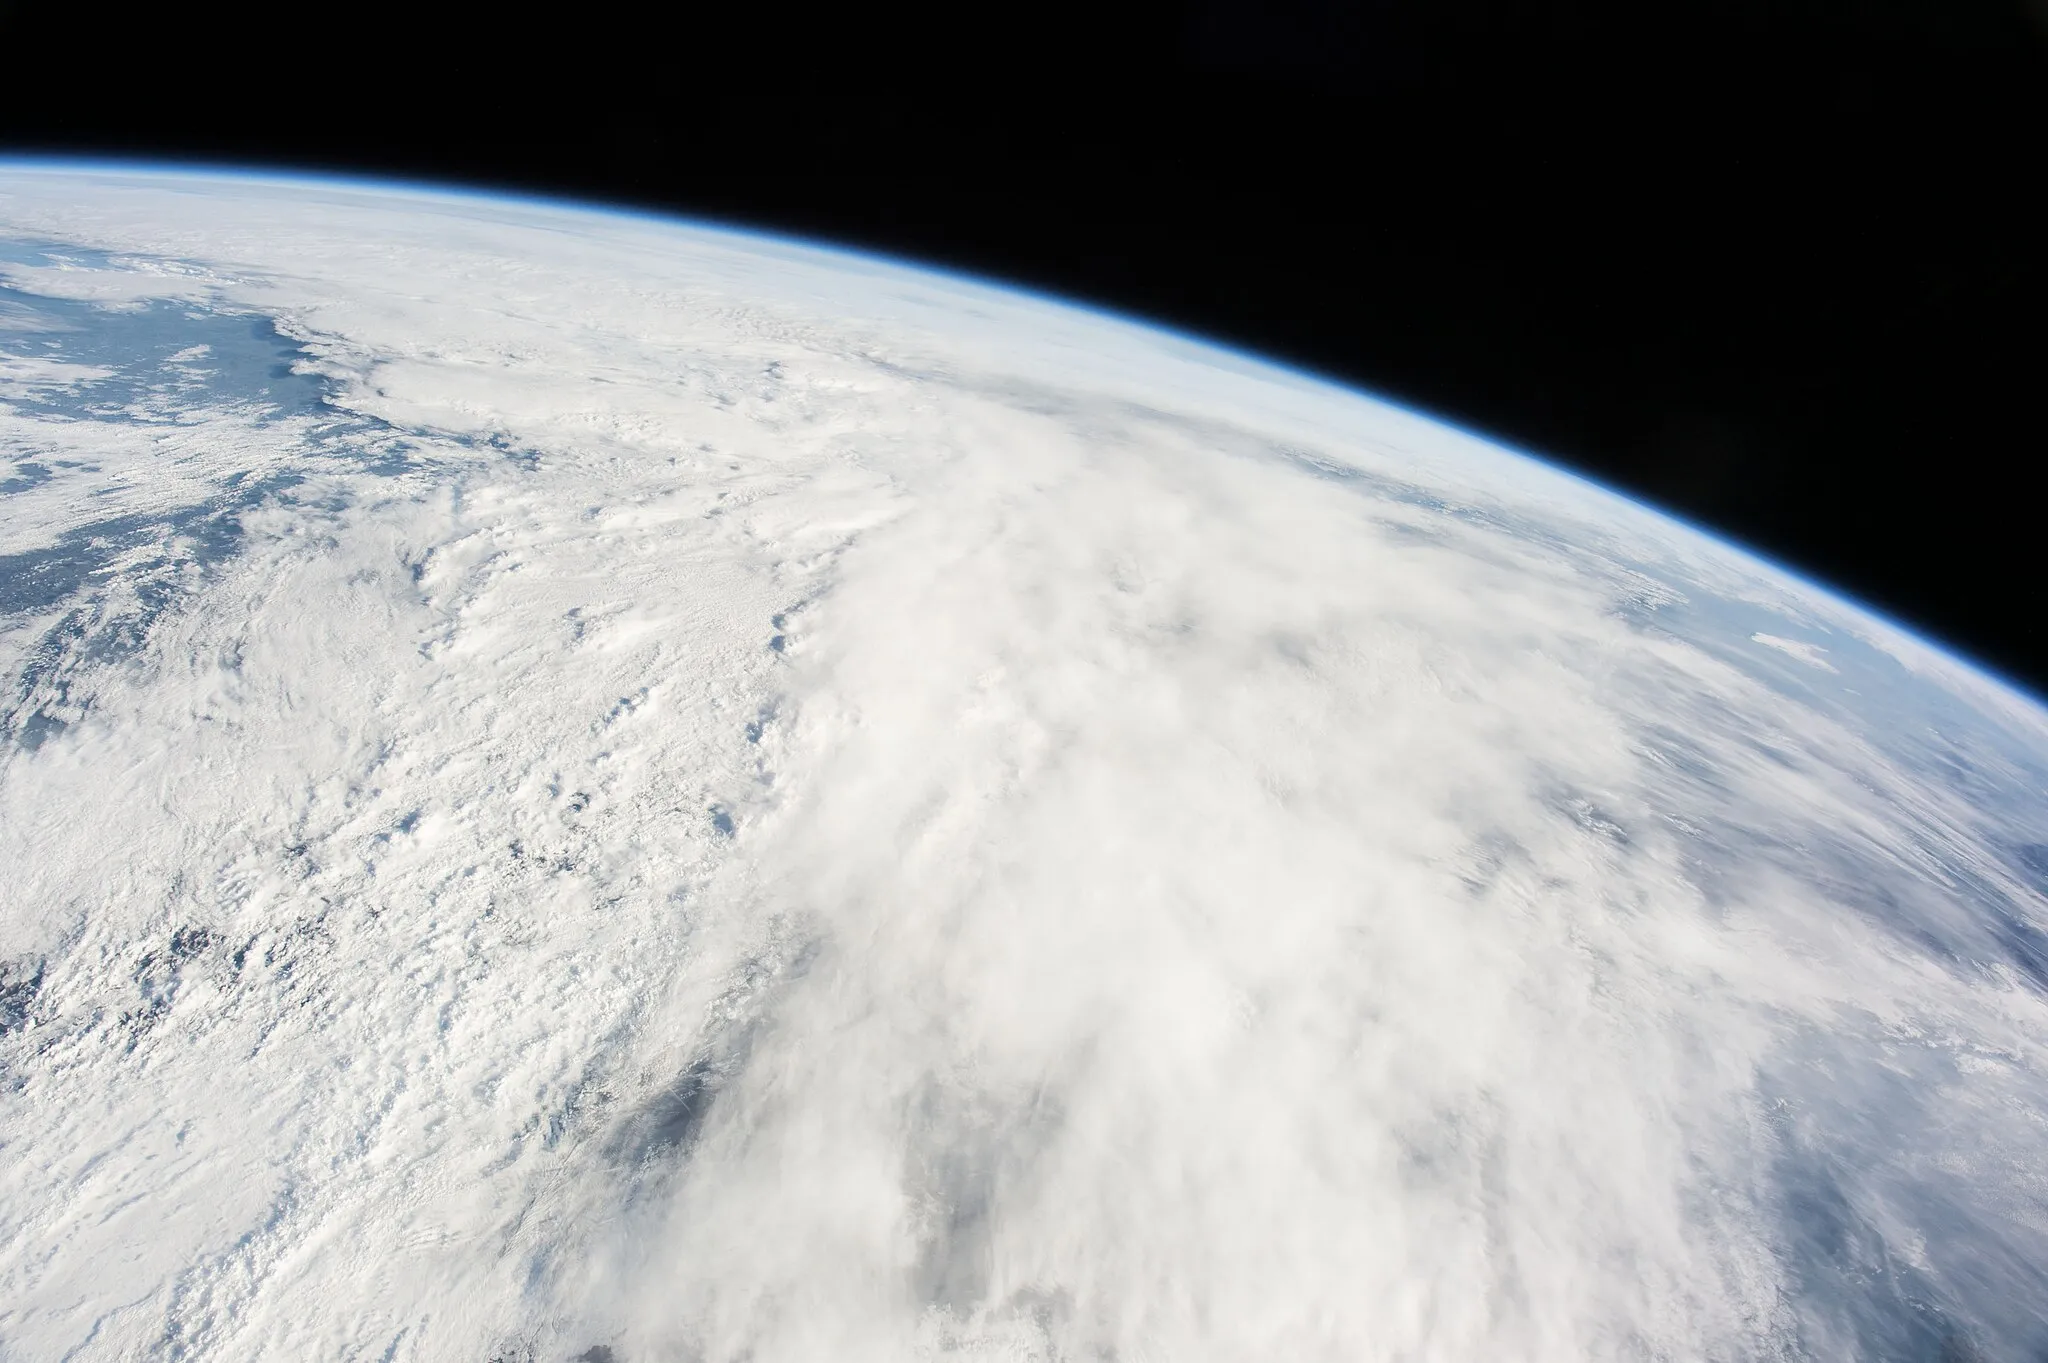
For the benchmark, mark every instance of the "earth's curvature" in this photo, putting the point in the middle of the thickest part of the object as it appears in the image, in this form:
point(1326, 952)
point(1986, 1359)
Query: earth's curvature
point(578, 786)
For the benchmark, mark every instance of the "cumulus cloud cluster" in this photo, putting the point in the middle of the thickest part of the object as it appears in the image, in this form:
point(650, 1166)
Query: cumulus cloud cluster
point(733, 802)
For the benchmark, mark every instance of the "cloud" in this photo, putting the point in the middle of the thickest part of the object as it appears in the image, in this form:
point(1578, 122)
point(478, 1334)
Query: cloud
point(23, 375)
point(1810, 654)
point(821, 811)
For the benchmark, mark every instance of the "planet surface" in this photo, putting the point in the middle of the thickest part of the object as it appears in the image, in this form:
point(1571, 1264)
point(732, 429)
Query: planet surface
point(576, 786)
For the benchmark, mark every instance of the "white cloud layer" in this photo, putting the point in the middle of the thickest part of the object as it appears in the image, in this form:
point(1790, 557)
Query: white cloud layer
point(1813, 655)
point(731, 802)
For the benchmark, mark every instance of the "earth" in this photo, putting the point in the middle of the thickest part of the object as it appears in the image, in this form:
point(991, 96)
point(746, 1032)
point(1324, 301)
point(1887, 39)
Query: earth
point(577, 786)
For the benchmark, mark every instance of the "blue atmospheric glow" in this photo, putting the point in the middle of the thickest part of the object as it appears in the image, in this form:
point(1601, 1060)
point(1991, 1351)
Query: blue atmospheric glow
point(403, 188)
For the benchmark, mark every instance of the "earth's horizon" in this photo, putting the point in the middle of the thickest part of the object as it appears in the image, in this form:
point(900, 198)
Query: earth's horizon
point(582, 785)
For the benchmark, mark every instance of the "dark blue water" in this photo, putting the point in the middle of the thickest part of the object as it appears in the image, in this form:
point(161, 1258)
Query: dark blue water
point(170, 363)
point(245, 363)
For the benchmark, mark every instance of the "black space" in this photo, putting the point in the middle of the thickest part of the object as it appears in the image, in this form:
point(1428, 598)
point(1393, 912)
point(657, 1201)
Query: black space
point(1777, 267)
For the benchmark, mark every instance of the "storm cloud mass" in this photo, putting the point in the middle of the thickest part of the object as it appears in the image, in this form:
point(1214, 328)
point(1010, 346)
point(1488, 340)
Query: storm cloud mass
point(578, 786)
